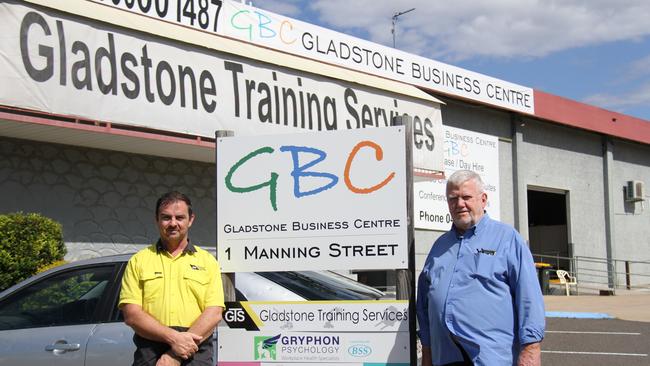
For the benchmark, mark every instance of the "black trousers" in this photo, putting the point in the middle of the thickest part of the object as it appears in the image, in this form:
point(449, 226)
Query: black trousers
point(148, 352)
point(467, 361)
point(461, 363)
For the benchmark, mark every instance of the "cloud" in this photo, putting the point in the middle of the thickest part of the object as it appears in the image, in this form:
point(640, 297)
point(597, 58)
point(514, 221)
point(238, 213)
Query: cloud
point(621, 102)
point(639, 68)
point(635, 91)
point(506, 29)
point(290, 8)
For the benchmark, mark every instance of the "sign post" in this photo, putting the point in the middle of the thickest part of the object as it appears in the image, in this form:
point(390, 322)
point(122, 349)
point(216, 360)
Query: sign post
point(331, 200)
point(228, 279)
point(406, 277)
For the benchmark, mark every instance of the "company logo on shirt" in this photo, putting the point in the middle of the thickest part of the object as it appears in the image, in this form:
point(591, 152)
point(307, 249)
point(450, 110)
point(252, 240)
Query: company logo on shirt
point(486, 251)
point(266, 347)
point(197, 268)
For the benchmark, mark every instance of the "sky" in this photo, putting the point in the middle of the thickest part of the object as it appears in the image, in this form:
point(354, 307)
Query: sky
point(592, 51)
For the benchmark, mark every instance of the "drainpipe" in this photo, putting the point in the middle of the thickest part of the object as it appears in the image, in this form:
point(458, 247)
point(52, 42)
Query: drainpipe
point(608, 165)
point(519, 189)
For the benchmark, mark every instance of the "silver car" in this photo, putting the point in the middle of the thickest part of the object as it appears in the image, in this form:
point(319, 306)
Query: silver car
point(68, 315)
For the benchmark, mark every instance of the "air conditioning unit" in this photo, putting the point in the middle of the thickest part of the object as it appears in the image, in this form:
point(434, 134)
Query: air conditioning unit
point(634, 191)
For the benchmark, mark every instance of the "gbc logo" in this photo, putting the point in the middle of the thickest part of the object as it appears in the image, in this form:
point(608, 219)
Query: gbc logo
point(235, 315)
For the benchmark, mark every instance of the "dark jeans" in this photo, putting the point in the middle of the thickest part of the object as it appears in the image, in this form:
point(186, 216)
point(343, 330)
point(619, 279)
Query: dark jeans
point(148, 352)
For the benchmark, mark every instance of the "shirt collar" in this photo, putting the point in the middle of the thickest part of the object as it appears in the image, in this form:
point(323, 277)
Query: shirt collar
point(474, 230)
point(188, 249)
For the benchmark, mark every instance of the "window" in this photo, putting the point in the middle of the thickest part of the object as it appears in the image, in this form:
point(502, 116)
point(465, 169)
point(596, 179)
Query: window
point(62, 299)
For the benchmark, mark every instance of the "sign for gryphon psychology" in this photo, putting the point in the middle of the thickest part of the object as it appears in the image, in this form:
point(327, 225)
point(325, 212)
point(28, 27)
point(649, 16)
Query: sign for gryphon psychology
point(305, 332)
point(329, 200)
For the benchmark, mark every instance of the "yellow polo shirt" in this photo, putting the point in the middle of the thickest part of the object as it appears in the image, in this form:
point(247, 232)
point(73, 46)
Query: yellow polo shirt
point(175, 291)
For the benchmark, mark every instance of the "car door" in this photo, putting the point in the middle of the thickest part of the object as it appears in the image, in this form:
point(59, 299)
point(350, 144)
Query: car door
point(49, 321)
point(111, 343)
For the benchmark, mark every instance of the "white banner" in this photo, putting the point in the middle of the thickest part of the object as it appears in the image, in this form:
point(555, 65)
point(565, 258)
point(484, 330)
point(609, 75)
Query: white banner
point(334, 200)
point(331, 332)
point(64, 65)
point(463, 150)
point(247, 23)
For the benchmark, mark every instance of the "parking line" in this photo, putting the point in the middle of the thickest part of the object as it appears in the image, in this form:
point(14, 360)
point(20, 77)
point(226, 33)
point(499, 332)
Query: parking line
point(579, 332)
point(577, 315)
point(599, 353)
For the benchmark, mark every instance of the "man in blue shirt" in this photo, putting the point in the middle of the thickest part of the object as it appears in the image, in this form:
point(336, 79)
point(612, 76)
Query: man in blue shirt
point(478, 300)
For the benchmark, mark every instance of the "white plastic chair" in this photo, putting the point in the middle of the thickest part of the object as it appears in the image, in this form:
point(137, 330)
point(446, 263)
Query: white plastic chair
point(566, 279)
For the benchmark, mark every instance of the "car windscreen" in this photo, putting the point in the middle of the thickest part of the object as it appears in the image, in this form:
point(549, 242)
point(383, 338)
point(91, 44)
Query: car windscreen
point(322, 285)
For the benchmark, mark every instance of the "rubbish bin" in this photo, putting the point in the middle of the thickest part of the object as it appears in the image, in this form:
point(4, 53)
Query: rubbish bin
point(544, 275)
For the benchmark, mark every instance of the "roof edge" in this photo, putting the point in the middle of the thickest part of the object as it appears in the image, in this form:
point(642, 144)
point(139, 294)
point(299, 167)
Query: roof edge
point(576, 114)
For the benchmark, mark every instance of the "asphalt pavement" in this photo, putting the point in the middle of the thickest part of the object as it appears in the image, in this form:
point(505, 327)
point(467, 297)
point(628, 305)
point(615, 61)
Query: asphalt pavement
point(590, 330)
point(596, 342)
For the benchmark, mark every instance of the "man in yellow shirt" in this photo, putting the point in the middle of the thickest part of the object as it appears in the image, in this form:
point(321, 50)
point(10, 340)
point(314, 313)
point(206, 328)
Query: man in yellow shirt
point(172, 294)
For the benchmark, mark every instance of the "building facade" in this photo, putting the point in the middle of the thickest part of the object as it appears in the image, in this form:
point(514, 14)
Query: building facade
point(94, 153)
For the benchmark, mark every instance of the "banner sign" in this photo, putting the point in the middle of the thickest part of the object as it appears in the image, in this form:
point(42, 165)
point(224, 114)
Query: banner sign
point(308, 332)
point(333, 200)
point(250, 24)
point(463, 150)
point(59, 64)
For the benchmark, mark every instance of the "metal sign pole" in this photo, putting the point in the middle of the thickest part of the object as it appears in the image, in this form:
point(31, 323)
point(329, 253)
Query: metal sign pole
point(406, 277)
point(228, 279)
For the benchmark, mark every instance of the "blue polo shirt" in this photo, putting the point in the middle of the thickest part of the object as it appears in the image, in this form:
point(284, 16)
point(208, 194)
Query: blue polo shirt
point(480, 288)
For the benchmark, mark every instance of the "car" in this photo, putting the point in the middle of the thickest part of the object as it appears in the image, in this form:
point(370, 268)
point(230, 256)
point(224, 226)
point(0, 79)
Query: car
point(68, 315)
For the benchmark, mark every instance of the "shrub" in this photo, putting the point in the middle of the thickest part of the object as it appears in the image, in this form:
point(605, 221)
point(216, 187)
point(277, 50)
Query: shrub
point(51, 265)
point(27, 242)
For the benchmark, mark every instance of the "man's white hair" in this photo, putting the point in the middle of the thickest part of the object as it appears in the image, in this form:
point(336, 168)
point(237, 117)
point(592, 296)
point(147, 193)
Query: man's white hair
point(461, 176)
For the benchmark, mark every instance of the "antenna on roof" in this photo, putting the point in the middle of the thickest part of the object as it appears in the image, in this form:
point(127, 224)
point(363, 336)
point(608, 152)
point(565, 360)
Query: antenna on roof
point(395, 16)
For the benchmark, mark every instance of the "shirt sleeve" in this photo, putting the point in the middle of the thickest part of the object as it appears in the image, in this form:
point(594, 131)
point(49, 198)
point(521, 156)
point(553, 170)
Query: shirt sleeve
point(422, 308)
point(214, 293)
point(527, 294)
point(131, 292)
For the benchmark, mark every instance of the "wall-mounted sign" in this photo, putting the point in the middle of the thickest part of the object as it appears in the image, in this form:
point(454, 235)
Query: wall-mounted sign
point(250, 24)
point(463, 150)
point(334, 200)
point(321, 332)
point(61, 64)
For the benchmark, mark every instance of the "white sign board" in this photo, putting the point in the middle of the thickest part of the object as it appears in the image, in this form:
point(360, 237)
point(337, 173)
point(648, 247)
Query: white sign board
point(326, 332)
point(250, 24)
point(61, 64)
point(331, 200)
point(463, 150)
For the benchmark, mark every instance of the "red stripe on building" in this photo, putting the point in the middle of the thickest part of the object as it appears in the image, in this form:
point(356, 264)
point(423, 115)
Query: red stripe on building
point(571, 113)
